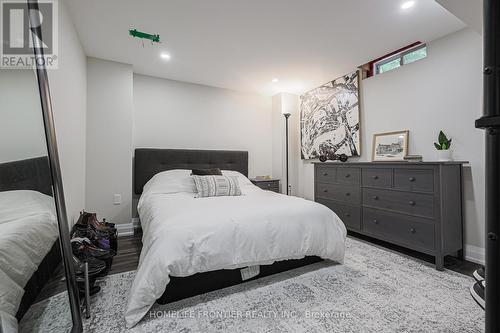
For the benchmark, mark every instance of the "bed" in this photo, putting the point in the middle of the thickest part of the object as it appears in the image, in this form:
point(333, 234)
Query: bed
point(29, 250)
point(194, 245)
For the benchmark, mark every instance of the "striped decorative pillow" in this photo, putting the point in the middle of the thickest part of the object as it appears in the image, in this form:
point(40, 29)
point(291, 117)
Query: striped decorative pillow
point(216, 186)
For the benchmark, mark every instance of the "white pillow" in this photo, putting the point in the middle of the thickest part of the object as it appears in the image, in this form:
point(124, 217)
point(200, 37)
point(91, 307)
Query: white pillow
point(180, 180)
point(217, 186)
point(171, 181)
point(15, 205)
point(241, 178)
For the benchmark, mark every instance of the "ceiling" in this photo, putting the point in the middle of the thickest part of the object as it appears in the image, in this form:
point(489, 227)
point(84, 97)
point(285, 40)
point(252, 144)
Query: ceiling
point(244, 44)
point(469, 11)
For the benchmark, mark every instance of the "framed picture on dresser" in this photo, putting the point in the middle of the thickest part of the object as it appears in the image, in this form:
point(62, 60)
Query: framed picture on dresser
point(390, 146)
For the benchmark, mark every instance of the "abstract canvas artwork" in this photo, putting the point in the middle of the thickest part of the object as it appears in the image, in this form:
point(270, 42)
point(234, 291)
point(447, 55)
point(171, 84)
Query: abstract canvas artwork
point(329, 118)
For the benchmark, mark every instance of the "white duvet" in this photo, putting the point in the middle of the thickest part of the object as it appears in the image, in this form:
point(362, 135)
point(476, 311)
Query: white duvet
point(28, 229)
point(184, 235)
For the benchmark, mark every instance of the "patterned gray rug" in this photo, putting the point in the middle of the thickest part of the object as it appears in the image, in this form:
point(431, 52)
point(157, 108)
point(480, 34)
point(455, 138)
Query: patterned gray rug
point(376, 290)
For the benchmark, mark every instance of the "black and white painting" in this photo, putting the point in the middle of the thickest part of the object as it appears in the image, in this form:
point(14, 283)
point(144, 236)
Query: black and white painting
point(329, 118)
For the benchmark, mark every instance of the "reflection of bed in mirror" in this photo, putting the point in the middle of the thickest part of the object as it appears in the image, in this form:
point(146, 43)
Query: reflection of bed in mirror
point(29, 246)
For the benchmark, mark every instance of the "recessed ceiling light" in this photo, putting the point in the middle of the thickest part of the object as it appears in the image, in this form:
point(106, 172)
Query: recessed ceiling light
point(165, 56)
point(275, 80)
point(407, 4)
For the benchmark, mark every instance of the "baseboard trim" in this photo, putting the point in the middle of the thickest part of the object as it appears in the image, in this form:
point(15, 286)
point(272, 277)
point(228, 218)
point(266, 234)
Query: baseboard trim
point(128, 229)
point(475, 254)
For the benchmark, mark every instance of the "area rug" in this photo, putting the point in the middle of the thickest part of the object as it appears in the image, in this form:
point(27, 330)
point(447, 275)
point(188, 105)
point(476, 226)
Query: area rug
point(375, 290)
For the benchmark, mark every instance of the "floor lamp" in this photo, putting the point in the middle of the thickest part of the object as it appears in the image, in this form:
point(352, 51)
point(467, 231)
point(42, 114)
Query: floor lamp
point(287, 115)
point(491, 123)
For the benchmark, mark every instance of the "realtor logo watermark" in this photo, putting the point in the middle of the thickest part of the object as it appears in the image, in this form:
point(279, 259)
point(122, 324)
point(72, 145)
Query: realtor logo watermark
point(17, 39)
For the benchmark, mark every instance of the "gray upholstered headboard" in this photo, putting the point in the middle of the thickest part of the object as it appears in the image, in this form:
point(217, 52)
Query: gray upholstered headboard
point(148, 162)
point(31, 174)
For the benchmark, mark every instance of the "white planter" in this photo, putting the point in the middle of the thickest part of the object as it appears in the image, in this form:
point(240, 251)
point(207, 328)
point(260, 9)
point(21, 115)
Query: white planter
point(443, 155)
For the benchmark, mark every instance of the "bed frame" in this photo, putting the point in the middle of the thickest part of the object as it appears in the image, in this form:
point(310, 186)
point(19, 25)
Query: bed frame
point(32, 174)
point(149, 162)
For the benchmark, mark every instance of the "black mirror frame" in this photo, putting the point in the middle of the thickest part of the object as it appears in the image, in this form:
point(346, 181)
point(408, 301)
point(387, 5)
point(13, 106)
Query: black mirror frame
point(55, 170)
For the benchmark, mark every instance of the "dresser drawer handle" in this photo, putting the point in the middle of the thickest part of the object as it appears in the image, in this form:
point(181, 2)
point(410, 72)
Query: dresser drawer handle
point(411, 203)
point(347, 194)
point(347, 175)
point(375, 197)
point(347, 215)
point(412, 230)
point(375, 177)
point(325, 174)
point(325, 190)
point(412, 179)
point(375, 221)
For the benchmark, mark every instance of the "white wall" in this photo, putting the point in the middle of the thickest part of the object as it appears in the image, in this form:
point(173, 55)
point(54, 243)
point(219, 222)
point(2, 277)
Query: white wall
point(109, 139)
point(286, 103)
point(22, 134)
point(68, 86)
point(443, 91)
point(278, 143)
point(172, 114)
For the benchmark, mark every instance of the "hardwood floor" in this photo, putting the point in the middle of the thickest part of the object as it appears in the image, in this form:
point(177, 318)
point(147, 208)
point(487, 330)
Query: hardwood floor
point(129, 250)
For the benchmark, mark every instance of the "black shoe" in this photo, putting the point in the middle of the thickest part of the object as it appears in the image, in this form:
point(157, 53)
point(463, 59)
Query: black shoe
point(477, 292)
point(479, 274)
point(83, 249)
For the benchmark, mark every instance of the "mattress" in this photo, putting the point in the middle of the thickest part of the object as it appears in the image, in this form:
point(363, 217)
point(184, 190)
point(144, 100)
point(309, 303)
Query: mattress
point(184, 235)
point(28, 230)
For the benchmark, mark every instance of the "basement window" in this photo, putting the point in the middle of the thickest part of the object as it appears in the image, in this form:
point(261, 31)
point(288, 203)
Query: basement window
point(398, 58)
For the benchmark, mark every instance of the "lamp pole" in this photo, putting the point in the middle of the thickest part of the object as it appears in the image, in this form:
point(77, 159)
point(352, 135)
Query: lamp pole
point(287, 115)
point(490, 122)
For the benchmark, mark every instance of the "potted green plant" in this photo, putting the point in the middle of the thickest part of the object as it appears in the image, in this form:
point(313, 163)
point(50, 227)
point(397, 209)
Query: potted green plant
point(443, 147)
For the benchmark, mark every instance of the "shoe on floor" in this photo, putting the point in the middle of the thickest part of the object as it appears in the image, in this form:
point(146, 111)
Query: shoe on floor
point(479, 274)
point(477, 292)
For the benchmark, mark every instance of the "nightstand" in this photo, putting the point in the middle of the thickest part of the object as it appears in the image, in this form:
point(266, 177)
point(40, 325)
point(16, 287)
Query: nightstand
point(267, 184)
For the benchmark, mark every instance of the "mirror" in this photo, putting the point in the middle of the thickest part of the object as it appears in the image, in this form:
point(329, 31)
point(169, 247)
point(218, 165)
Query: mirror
point(31, 267)
point(33, 279)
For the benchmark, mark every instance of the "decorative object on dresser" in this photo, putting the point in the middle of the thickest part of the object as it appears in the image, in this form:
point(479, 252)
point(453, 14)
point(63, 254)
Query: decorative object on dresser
point(390, 146)
point(329, 118)
point(417, 205)
point(443, 147)
point(413, 158)
point(333, 157)
point(270, 184)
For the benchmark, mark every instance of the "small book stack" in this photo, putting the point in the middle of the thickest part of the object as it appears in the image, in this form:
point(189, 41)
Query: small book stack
point(263, 177)
point(413, 158)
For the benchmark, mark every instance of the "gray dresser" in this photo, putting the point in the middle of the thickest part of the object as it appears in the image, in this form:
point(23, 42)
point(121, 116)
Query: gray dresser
point(417, 205)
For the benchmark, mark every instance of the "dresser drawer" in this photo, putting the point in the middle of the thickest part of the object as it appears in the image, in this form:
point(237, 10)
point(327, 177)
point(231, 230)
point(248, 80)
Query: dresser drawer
point(348, 175)
point(271, 186)
point(417, 204)
point(339, 192)
point(376, 177)
point(351, 216)
point(421, 180)
point(326, 174)
point(402, 229)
